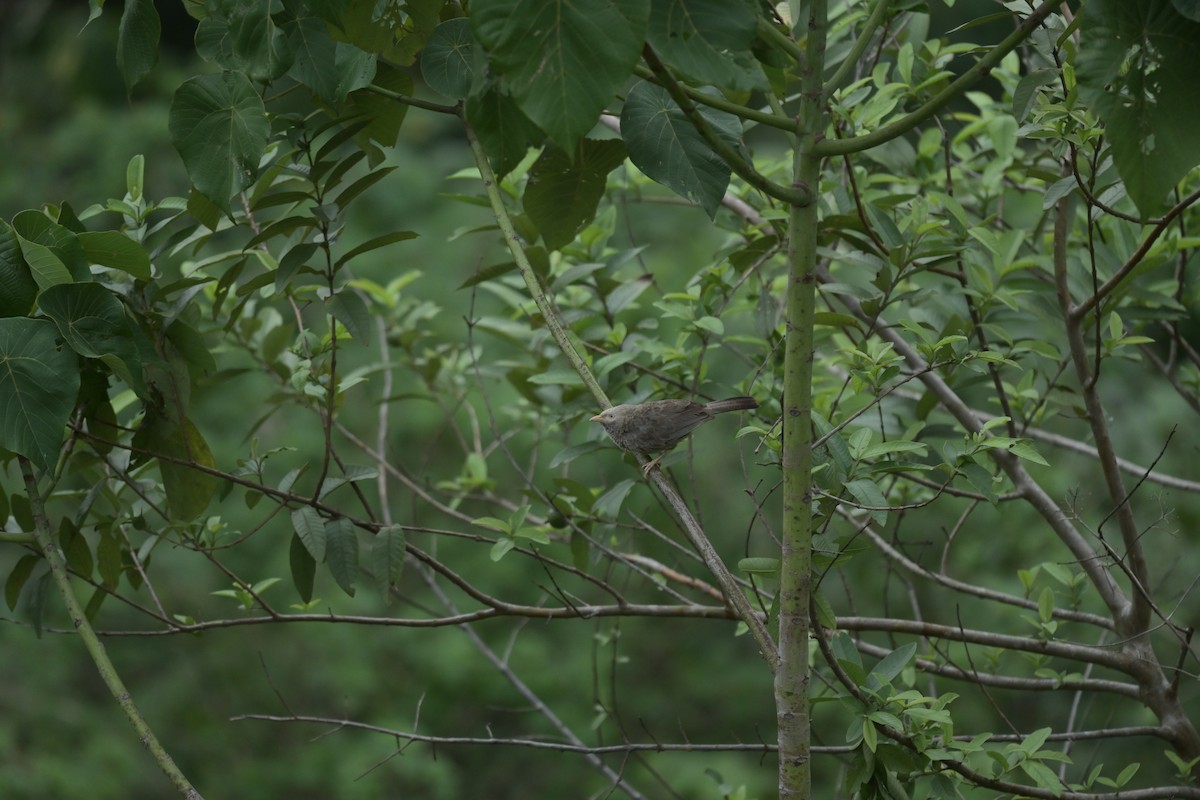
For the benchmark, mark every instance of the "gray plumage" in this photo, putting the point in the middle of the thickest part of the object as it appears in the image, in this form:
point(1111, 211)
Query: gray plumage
point(657, 426)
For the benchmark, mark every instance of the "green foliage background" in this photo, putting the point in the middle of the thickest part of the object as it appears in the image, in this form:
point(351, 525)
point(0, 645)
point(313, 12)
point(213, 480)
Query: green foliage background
point(70, 136)
point(71, 141)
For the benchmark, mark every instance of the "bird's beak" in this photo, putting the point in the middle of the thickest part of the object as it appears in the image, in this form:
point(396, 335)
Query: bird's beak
point(595, 418)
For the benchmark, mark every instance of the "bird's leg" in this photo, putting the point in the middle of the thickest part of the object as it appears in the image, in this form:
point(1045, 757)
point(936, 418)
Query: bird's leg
point(651, 465)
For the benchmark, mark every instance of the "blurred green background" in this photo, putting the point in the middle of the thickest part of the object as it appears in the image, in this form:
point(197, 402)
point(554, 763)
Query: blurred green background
point(68, 131)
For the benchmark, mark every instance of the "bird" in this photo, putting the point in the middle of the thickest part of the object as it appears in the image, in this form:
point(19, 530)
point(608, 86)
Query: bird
point(657, 426)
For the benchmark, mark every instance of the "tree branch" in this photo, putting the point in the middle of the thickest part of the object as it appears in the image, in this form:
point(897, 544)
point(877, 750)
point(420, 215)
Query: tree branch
point(108, 672)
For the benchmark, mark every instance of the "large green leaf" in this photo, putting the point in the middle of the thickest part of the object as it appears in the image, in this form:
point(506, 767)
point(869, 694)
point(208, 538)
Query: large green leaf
point(1188, 8)
point(244, 37)
point(219, 125)
point(708, 40)
point(137, 41)
point(564, 189)
point(665, 146)
point(93, 321)
point(331, 69)
point(89, 317)
point(188, 489)
point(17, 286)
point(384, 115)
point(117, 251)
point(449, 60)
point(563, 60)
point(1137, 67)
point(50, 249)
point(396, 30)
point(39, 382)
point(503, 129)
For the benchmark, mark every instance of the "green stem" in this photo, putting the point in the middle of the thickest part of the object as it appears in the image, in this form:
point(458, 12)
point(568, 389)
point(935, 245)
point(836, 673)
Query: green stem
point(412, 101)
point(691, 527)
point(733, 593)
point(779, 121)
point(792, 195)
point(856, 144)
point(95, 648)
point(878, 15)
point(492, 188)
point(17, 538)
point(776, 38)
point(795, 580)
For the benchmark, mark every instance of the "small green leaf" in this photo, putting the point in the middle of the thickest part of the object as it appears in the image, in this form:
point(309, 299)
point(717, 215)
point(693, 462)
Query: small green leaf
point(108, 559)
point(1127, 774)
point(867, 493)
point(1034, 741)
point(826, 617)
point(348, 308)
point(341, 552)
point(869, 734)
point(892, 665)
point(135, 178)
point(76, 549)
point(1042, 775)
point(35, 605)
point(1026, 91)
point(981, 479)
point(387, 559)
point(608, 505)
point(501, 547)
point(493, 524)
point(1023, 448)
point(569, 454)
point(555, 377)
point(1046, 605)
point(759, 566)
point(17, 578)
point(310, 527)
point(375, 244)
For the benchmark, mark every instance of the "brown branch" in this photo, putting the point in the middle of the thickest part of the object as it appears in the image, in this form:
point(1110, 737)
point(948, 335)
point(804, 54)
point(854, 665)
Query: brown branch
point(1011, 682)
point(1087, 654)
point(1135, 617)
point(976, 590)
point(502, 610)
point(1078, 312)
point(533, 744)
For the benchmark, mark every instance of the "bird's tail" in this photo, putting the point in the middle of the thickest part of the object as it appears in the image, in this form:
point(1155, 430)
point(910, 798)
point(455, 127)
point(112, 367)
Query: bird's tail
point(732, 404)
